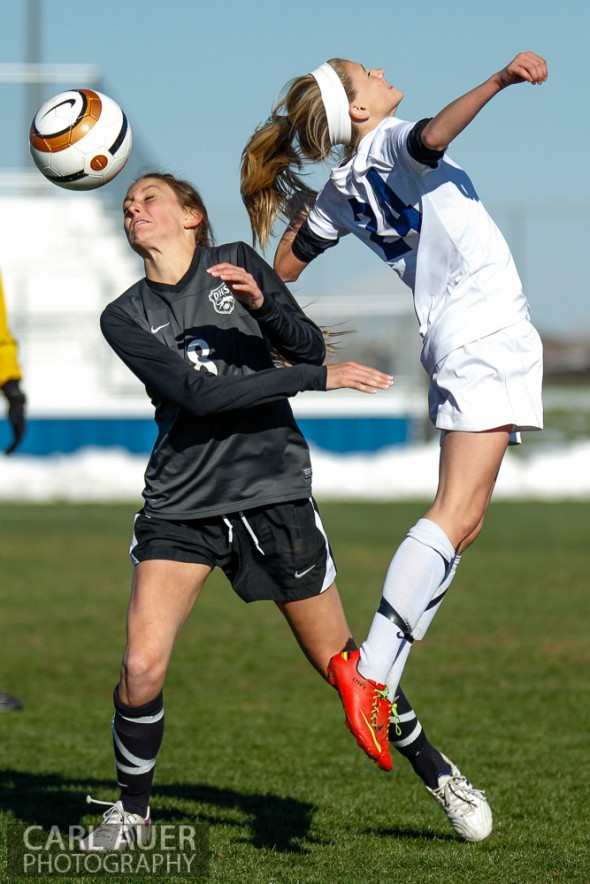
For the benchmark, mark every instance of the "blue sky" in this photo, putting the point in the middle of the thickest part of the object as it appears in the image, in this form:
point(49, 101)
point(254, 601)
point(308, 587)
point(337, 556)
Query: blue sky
point(196, 78)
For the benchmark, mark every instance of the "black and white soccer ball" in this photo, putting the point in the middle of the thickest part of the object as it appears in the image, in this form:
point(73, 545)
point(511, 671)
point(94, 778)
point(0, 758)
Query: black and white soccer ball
point(80, 139)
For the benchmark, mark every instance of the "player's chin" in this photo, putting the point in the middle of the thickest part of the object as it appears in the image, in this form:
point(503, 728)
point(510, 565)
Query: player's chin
point(138, 247)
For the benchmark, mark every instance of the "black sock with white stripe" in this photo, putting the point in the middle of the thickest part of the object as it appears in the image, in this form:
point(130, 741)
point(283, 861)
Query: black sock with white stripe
point(137, 736)
point(406, 734)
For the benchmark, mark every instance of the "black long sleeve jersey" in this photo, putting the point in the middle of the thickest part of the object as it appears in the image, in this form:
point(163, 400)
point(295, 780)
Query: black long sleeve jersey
point(227, 439)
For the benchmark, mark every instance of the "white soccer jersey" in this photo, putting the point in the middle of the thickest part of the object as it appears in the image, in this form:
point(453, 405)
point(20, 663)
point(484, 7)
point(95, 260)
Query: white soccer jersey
point(429, 225)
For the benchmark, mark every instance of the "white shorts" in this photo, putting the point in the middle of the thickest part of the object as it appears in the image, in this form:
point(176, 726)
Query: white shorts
point(493, 382)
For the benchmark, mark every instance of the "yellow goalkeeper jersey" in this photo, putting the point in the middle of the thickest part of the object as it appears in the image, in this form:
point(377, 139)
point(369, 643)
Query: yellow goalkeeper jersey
point(9, 368)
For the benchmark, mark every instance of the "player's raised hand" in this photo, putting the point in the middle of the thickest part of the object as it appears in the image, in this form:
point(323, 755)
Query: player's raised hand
point(242, 284)
point(352, 376)
point(527, 67)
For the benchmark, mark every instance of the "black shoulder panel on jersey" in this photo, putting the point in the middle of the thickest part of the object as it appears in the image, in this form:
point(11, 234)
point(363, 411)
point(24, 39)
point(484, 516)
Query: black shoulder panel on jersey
point(307, 245)
point(416, 149)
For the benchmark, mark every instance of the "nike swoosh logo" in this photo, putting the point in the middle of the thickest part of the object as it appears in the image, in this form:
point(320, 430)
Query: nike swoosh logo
point(154, 331)
point(371, 731)
point(299, 574)
point(70, 101)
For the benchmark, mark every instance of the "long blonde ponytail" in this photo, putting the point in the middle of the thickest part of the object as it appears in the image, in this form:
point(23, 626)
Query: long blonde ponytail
point(297, 130)
point(268, 175)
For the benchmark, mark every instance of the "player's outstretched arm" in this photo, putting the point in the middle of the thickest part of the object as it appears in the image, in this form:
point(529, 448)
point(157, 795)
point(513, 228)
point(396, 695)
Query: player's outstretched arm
point(438, 133)
point(353, 376)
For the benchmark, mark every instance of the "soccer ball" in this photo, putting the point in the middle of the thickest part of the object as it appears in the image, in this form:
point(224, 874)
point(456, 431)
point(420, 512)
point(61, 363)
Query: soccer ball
point(80, 139)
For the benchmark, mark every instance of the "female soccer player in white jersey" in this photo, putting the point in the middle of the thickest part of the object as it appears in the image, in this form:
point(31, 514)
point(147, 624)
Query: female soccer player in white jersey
point(228, 483)
point(398, 191)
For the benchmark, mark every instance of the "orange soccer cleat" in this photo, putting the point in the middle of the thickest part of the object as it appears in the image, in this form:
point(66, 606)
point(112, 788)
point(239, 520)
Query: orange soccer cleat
point(366, 707)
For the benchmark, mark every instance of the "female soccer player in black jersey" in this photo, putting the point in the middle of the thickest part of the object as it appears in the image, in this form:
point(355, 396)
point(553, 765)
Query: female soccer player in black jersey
point(228, 482)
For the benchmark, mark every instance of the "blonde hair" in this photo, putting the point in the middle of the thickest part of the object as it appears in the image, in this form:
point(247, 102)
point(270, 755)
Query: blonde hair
point(273, 160)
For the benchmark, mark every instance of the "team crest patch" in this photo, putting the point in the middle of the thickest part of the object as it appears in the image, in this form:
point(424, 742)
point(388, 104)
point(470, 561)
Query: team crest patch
point(222, 299)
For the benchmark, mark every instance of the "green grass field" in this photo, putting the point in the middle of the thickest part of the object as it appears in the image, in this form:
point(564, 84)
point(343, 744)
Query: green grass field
point(255, 745)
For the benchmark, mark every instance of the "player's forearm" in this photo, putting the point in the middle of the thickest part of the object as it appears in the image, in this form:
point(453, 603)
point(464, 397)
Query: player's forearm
point(456, 116)
point(286, 265)
point(292, 333)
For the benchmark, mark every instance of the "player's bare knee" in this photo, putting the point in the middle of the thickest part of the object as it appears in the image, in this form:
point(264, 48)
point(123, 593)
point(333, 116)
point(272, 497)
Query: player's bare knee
point(142, 677)
point(467, 528)
point(471, 536)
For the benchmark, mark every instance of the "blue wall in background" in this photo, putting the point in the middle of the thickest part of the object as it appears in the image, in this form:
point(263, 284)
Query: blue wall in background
point(137, 435)
point(350, 434)
point(66, 435)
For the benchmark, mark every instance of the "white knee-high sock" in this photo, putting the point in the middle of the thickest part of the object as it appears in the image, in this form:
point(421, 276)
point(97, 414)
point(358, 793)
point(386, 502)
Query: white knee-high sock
point(420, 629)
point(415, 573)
point(393, 679)
point(427, 617)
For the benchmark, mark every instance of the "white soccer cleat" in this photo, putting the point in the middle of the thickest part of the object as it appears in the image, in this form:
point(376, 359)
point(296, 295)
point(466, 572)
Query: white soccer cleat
point(466, 807)
point(119, 830)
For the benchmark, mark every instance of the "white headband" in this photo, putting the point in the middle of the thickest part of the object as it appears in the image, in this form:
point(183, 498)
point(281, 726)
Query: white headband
point(335, 102)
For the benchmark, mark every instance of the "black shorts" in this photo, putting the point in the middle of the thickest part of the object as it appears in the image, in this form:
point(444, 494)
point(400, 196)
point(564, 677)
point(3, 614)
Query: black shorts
point(278, 552)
